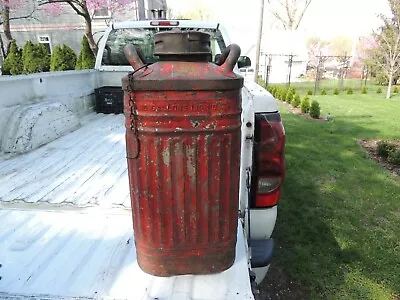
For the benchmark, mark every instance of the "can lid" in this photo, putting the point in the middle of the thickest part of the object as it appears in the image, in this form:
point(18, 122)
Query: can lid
point(187, 43)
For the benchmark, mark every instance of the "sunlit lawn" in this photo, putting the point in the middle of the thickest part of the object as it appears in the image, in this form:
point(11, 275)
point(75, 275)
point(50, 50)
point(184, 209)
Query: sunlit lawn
point(338, 230)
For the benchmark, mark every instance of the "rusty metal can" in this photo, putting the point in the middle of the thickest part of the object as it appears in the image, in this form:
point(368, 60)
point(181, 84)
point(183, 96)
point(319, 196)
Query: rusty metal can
point(183, 150)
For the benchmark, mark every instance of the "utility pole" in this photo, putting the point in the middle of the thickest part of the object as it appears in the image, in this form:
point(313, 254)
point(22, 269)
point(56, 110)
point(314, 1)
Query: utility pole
point(258, 45)
point(268, 70)
point(141, 8)
point(290, 63)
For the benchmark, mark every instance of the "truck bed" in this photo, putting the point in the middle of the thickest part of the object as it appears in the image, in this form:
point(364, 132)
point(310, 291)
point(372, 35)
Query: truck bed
point(66, 228)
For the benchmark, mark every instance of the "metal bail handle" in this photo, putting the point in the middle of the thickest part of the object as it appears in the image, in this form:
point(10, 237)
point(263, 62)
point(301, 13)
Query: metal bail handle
point(135, 56)
point(229, 57)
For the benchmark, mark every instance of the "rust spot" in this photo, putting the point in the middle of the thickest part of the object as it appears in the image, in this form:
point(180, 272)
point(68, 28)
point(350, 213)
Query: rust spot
point(191, 163)
point(194, 123)
point(166, 157)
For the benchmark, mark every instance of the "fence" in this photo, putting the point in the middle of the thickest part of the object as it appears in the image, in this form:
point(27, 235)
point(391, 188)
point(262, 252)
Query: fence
point(319, 72)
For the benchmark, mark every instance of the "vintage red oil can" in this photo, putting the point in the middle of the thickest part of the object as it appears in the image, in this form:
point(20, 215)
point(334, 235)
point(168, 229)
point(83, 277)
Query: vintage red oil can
point(183, 150)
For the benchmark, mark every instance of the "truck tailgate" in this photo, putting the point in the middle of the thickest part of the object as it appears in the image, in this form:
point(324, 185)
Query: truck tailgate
point(66, 228)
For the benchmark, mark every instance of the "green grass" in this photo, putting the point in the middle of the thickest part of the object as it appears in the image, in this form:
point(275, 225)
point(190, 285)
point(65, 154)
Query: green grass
point(338, 228)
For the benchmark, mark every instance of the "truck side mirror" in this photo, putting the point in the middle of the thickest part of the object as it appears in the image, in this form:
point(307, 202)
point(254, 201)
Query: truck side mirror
point(216, 58)
point(244, 61)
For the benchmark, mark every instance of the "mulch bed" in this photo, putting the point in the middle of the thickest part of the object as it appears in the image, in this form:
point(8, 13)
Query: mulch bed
point(371, 147)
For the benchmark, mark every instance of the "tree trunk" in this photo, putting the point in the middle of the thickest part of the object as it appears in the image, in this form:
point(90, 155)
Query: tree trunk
point(89, 35)
point(6, 29)
point(389, 88)
point(2, 49)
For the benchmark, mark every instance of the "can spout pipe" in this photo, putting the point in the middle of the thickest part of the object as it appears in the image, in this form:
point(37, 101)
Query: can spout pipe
point(135, 56)
point(229, 58)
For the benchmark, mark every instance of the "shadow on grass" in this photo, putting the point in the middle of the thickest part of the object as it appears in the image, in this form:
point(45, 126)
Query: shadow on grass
point(337, 222)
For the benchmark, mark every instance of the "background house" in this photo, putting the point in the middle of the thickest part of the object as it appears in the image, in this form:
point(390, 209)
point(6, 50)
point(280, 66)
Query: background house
point(276, 49)
point(64, 26)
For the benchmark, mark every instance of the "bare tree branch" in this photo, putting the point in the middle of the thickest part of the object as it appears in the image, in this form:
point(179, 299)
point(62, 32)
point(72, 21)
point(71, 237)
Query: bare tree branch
point(300, 18)
point(289, 13)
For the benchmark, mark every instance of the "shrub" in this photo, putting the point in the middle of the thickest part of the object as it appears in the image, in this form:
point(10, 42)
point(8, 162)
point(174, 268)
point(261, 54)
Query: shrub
point(336, 91)
point(289, 96)
point(315, 110)
point(35, 58)
point(277, 92)
point(394, 157)
point(349, 91)
point(282, 93)
point(305, 105)
point(12, 65)
point(273, 90)
point(63, 58)
point(86, 59)
point(364, 90)
point(395, 90)
point(379, 90)
point(385, 148)
point(309, 92)
point(324, 92)
point(296, 100)
point(27, 54)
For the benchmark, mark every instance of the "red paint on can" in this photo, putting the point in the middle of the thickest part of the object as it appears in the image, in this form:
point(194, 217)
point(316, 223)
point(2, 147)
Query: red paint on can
point(183, 161)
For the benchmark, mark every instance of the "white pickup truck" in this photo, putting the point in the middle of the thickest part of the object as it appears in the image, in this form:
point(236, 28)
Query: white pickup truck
point(65, 218)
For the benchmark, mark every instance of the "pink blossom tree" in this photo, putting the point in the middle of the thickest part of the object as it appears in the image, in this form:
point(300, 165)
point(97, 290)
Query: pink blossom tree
point(85, 9)
point(364, 51)
point(9, 10)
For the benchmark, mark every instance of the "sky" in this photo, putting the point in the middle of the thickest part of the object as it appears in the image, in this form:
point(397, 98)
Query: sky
point(325, 18)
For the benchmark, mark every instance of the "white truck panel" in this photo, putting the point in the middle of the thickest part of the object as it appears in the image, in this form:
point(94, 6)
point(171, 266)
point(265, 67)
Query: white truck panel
point(263, 101)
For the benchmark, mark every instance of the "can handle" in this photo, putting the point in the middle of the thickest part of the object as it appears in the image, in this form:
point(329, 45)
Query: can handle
point(229, 57)
point(135, 56)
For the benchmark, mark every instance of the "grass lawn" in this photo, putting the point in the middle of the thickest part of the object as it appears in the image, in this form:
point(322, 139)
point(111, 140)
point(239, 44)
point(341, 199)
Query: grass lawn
point(338, 228)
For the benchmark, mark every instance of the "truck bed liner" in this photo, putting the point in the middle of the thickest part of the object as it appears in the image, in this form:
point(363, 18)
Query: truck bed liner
point(84, 168)
point(66, 254)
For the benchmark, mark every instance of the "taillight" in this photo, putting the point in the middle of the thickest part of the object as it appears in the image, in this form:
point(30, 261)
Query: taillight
point(269, 160)
point(164, 23)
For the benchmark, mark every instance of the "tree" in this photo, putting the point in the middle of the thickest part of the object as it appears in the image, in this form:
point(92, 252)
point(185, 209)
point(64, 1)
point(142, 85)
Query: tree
point(368, 54)
point(13, 63)
point(35, 58)
point(289, 13)
point(85, 9)
point(387, 54)
point(340, 45)
point(8, 12)
point(63, 58)
point(86, 59)
point(315, 47)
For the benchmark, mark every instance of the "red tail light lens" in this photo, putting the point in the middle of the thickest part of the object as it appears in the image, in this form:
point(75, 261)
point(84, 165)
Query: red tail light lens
point(269, 160)
point(164, 23)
